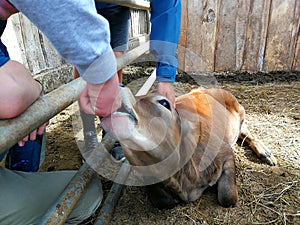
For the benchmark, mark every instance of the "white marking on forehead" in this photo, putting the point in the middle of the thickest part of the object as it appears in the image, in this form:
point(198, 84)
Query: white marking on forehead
point(148, 140)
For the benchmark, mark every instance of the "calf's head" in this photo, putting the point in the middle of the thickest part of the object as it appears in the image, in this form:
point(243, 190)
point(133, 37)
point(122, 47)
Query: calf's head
point(151, 134)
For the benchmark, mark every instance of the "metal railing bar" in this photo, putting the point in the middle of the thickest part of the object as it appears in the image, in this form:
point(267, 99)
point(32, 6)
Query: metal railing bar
point(42, 110)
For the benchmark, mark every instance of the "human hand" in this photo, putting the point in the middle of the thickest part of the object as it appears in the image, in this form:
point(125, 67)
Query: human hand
point(166, 89)
point(32, 135)
point(101, 99)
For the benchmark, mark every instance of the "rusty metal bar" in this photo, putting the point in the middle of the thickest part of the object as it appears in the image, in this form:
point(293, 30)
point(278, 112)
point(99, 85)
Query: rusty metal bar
point(138, 4)
point(39, 112)
point(67, 201)
point(49, 105)
point(132, 55)
point(107, 210)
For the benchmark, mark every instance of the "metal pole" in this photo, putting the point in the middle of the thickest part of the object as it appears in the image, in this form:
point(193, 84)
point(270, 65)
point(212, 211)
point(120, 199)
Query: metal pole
point(107, 210)
point(67, 201)
point(13, 130)
point(138, 4)
point(132, 55)
point(39, 112)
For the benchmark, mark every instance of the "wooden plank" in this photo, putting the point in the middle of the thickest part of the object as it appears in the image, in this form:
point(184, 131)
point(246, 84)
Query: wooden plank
point(296, 36)
point(258, 19)
point(139, 23)
point(37, 52)
point(18, 34)
point(51, 57)
point(282, 32)
point(200, 35)
point(193, 45)
point(242, 21)
point(296, 61)
point(248, 35)
point(208, 34)
point(182, 37)
point(32, 48)
point(10, 40)
point(225, 55)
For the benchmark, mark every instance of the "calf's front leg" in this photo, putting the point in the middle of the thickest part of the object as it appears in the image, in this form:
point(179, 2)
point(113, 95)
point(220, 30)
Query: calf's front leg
point(257, 146)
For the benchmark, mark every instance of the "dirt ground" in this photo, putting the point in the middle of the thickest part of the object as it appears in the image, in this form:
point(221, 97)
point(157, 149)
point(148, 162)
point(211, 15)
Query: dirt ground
point(267, 195)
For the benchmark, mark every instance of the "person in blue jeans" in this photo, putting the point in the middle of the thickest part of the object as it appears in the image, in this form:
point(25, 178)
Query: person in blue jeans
point(84, 42)
point(164, 35)
point(165, 21)
point(118, 18)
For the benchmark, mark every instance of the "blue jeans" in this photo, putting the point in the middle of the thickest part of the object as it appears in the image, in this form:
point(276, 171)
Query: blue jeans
point(119, 22)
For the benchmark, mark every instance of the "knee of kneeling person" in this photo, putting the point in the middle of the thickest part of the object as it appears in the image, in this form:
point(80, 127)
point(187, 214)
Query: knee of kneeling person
point(18, 90)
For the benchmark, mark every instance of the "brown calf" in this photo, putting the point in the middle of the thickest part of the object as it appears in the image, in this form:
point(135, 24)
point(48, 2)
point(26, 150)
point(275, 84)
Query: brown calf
point(191, 145)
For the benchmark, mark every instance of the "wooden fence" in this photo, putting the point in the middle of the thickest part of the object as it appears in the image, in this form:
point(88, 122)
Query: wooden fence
point(216, 35)
point(252, 35)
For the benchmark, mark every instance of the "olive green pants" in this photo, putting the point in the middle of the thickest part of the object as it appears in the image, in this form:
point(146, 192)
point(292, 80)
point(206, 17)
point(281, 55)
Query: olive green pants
point(26, 197)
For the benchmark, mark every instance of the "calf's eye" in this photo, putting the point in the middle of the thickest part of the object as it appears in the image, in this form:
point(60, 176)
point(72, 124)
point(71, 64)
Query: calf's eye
point(165, 103)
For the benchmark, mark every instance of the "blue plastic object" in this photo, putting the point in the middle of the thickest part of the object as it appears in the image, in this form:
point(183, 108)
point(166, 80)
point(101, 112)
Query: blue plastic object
point(28, 157)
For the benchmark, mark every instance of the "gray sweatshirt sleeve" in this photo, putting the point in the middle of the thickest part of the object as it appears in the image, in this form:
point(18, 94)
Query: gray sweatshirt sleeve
point(78, 33)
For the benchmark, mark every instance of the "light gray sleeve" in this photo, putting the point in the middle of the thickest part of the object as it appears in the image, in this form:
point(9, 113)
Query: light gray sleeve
point(77, 32)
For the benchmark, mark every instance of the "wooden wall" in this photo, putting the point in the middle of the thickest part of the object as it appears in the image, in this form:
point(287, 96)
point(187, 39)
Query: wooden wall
point(252, 35)
point(216, 35)
point(36, 51)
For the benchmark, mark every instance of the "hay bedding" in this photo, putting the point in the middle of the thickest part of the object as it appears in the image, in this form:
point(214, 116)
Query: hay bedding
point(267, 195)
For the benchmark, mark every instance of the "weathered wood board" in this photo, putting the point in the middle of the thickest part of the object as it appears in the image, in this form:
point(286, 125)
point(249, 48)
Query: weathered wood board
point(252, 35)
point(37, 52)
point(216, 35)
